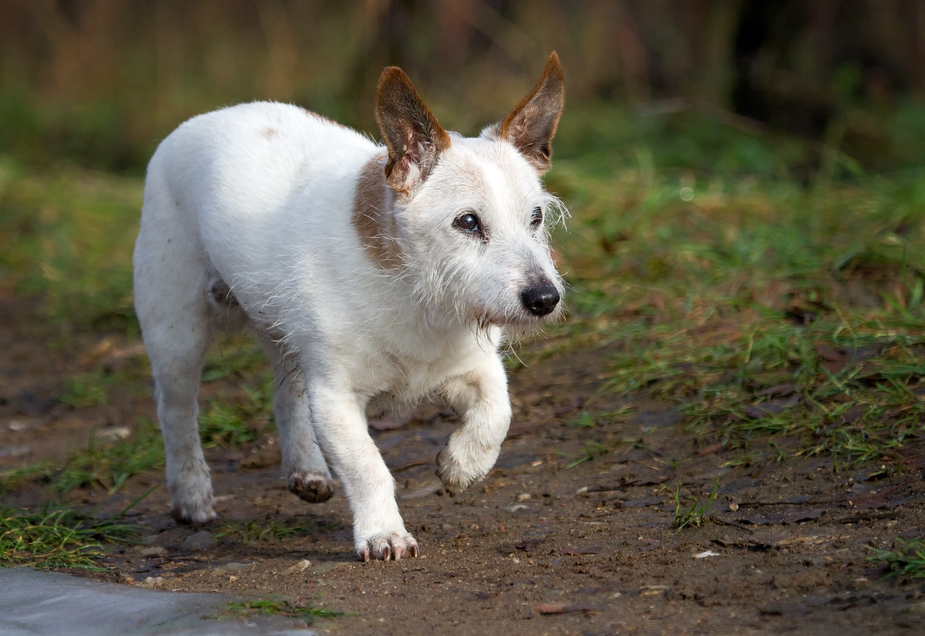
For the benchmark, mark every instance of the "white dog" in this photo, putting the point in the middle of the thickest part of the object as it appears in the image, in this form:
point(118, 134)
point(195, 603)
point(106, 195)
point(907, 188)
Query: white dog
point(373, 275)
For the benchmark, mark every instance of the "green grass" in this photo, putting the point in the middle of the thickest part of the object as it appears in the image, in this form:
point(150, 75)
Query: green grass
point(67, 239)
point(307, 613)
point(769, 308)
point(697, 513)
point(905, 561)
point(105, 465)
point(233, 423)
point(59, 537)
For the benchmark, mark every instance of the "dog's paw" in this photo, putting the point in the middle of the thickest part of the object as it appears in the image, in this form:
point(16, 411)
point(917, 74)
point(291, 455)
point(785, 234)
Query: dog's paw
point(311, 486)
point(193, 514)
point(457, 476)
point(393, 546)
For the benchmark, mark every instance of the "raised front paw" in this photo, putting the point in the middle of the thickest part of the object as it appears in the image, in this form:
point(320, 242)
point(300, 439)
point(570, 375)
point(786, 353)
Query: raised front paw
point(458, 473)
point(394, 546)
point(311, 486)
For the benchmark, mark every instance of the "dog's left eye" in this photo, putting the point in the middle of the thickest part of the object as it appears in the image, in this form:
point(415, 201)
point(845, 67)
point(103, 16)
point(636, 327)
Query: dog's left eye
point(468, 222)
point(537, 219)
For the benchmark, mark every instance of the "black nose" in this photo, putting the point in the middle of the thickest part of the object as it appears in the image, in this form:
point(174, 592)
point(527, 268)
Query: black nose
point(540, 299)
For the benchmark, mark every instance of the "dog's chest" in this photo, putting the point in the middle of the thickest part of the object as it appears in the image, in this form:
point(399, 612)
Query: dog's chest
point(407, 377)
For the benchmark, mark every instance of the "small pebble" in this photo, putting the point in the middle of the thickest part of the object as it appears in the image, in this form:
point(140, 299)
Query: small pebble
point(202, 540)
point(299, 567)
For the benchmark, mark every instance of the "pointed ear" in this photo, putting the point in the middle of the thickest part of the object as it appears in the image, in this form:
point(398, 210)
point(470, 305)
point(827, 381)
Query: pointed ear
point(412, 134)
point(532, 124)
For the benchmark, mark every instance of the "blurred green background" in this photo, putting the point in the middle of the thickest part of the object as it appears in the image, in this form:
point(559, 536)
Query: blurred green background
point(99, 82)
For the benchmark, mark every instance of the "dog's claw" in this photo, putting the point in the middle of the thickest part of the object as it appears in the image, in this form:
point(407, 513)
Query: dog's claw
point(391, 547)
point(311, 486)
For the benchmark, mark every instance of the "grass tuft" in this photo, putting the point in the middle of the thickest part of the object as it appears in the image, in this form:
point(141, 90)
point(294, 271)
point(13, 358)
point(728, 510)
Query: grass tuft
point(267, 607)
point(696, 515)
point(906, 561)
point(59, 537)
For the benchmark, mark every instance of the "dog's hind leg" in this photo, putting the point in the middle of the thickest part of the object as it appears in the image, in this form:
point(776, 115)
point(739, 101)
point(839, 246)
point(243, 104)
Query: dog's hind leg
point(304, 467)
point(171, 300)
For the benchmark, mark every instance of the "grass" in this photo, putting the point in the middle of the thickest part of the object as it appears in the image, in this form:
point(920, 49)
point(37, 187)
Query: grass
point(60, 537)
point(233, 423)
point(68, 238)
point(905, 561)
point(307, 613)
point(766, 306)
point(106, 465)
point(695, 515)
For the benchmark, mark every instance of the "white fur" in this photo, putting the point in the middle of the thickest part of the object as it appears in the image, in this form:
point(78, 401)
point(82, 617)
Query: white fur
point(261, 196)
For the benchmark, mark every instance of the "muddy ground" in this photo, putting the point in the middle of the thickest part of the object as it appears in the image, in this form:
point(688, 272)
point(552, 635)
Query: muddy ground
point(537, 547)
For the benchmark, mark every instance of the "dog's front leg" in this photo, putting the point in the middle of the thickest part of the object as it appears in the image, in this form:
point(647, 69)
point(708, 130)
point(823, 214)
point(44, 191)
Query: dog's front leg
point(481, 399)
point(340, 422)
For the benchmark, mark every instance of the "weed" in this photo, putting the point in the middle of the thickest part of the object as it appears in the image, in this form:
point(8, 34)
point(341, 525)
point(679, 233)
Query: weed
point(60, 537)
point(306, 613)
point(696, 515)
point(906, 561)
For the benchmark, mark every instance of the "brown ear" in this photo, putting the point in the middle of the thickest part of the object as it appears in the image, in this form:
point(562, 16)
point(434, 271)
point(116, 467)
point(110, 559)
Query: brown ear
point(532, 124)
point(410, 131)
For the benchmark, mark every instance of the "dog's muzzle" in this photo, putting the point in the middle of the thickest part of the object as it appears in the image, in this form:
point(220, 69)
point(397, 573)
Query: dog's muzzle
point(540, 298)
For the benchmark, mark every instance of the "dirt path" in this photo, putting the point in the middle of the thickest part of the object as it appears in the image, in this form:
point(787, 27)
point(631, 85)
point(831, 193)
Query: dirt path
point(539, 547)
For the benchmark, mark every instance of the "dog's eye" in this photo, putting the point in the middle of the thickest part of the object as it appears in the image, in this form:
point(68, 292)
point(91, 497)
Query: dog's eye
point(537, 219)
point(468, 222)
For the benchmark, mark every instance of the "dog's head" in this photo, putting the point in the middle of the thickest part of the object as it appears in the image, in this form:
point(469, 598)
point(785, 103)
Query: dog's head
point(469, 218)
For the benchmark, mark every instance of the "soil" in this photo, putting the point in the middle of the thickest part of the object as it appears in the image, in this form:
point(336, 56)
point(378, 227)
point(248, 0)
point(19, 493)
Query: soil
point(538, 547)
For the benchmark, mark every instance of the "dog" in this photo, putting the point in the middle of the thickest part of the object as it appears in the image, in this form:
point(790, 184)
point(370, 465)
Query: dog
point(372, 275)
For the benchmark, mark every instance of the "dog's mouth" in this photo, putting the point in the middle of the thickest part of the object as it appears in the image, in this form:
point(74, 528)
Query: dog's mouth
point(520, 321)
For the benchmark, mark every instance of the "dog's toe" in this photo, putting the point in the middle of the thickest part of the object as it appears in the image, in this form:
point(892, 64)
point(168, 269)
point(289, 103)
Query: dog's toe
point(311, 487)
point(388, 547)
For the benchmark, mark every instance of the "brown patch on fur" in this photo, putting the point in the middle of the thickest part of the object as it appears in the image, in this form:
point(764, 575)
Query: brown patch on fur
point(269, 133)
point(375, 229)
point(412, 134)
point(532, 123)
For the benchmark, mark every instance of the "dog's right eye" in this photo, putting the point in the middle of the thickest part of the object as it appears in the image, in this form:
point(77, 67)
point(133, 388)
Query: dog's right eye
point(468, 222)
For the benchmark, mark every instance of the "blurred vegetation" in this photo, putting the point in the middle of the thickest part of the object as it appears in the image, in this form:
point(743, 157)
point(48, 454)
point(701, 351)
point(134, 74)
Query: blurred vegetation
point(99, 82)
